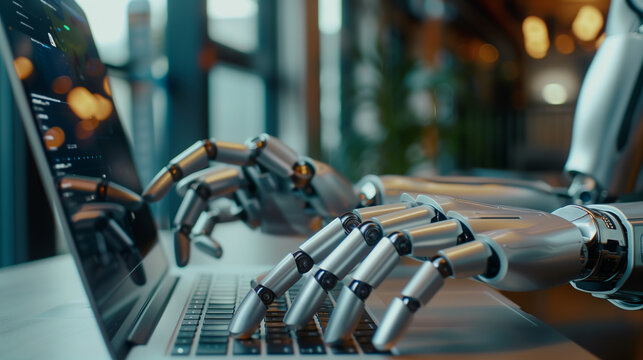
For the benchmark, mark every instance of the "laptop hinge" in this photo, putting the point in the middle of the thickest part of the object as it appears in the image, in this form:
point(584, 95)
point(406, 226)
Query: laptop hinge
point(147, 322)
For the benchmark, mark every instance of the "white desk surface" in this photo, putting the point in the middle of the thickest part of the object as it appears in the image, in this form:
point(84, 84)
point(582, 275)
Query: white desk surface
point(45, 313)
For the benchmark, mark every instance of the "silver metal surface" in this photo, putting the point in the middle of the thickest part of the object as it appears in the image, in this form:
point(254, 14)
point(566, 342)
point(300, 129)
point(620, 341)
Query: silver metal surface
point(345, 317)
point(468, 259)
point(223, 181)
point(625, 288)
point(337, 193)
point(378, 264)
point(411, 217)
point(159, 186)
point(395, 322)
point(310, 298)
point(324, 241)
point(231, 153)
point(374, 211)
point(543, 255)
point(190, 209)
point(205, 224)
point(601, 147)
point(347, 254)
point(424, 284)
point(282, 276)
point(277, 157)
point(192, 159)
point(510, 192)
point(244, 323)
point(427, 240)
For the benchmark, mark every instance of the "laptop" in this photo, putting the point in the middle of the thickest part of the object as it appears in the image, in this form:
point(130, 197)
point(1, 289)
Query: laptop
point(144, 306)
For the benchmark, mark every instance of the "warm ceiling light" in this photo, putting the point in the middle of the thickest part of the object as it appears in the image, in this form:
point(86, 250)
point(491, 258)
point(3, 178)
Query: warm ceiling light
point(564, 44)
point(554, 94)
point(588, 23)
point(536, 37)
point(488, 53)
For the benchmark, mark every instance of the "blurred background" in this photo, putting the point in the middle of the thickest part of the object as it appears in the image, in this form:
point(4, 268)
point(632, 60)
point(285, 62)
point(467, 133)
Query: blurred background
point(421, 87)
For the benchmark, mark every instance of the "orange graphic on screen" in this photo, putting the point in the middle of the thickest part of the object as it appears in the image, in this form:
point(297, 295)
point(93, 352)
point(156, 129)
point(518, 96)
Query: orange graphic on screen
point(88, 106)
point(23, 66)
point(62, 85)
point(54, 138)
point(104, 107)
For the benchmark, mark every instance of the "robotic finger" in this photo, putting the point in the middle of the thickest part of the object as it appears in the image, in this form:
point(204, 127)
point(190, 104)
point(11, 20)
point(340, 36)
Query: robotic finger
point(264, 150)
point(421, 241)
point(464, 260)
point(287, 272)
point(202, 234)
point(209, 184)
point(349, 253)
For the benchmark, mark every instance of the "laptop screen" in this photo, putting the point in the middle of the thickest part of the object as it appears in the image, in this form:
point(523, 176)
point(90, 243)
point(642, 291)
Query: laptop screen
point(87, 154)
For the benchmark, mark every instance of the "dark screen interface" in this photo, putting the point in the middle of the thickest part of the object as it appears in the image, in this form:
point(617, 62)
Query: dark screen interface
point(70, 99)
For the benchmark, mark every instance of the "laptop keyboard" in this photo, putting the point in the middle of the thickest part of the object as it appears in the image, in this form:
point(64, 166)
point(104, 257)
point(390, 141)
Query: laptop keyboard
point(203, 329)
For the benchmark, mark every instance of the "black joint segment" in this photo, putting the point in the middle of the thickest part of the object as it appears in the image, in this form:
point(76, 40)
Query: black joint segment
point(101, 190)
point(412, 304)
point(176, 172)
point(185, 229)
point(371, 232)
point(493, 265)
point(401, 242)
point(443, 267)
point(466, 235)
point(361, 289)
point(326, 279)
point(304, 261)
point(303, 172)
point(266, 295)
point(203, 191)
point(257, 145)
point(210, 149)
point(349, 221)
point(439, 216)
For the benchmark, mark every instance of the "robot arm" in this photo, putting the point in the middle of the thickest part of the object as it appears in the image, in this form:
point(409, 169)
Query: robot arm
point(606, 152)
point(595, 248)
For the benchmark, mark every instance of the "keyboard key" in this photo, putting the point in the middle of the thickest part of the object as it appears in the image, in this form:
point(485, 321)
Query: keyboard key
point(212, 349)
point(307, 333)
point(247, 347)
point(213, 340)
point(183, 341)
point(181, 350)
point(369, 348)
point(185, 334)
point(312, 349)
point(366, 326)
point(215, 327)
point(278, 349)
point(188, 328)
point(346, 348)
point(364, 332)
point(216, 322)
point(279, 340)
point(214, 333)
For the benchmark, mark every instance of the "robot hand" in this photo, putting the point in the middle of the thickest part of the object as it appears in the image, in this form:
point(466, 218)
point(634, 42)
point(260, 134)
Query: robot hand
point(271, 186)
point(104, 218)
point(511, 249)
point(342, 245)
